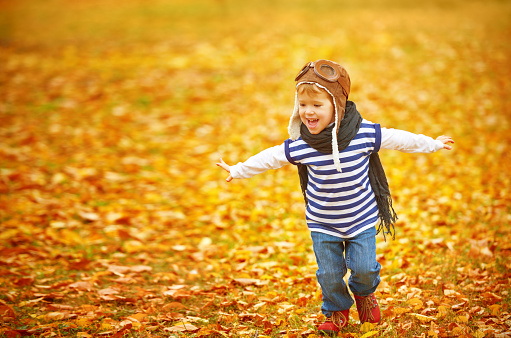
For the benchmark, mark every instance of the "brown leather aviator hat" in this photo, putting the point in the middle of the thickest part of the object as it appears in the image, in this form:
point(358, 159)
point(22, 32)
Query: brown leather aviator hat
point(334, 79)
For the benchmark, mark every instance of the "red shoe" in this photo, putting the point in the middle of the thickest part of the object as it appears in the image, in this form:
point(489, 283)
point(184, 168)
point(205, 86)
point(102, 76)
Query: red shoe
point(368, 309)
point(336, 322)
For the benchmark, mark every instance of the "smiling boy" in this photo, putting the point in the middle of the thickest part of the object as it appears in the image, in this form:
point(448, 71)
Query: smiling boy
point(344, 186)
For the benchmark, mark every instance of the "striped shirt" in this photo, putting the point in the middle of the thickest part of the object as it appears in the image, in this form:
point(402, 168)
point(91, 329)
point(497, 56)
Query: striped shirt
point(341, 204)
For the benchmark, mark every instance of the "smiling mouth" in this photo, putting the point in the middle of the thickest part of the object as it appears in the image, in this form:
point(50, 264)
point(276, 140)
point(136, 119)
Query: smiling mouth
point(312, 122)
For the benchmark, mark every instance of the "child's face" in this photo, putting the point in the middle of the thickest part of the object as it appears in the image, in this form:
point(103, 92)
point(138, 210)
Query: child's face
point(316, 111)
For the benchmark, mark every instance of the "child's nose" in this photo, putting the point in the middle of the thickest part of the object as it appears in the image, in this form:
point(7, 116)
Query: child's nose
point(309, 110)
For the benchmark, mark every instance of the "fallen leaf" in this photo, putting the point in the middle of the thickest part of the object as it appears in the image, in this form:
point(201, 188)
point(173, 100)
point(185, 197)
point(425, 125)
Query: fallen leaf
point(369, 334)
point(422, 318)
point(81, 286)
point(173, 305)
point(495, 308)
point(246, 281)
point(442, 311)
point(416, 303)
point(185, 327)
point(24, 281)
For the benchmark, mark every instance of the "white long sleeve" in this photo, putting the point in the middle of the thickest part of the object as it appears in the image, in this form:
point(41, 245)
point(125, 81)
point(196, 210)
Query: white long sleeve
point(271, 158)
point(275, 157)
point(407, 142)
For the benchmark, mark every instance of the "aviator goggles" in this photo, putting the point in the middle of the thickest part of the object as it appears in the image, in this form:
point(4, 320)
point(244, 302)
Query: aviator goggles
point(328, 71)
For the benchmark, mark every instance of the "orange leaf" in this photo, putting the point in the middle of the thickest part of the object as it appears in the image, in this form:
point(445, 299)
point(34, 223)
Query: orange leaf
point(495, 308)
point(24, 281)
point(7, 311)
point(173, 305)
point(82, 286)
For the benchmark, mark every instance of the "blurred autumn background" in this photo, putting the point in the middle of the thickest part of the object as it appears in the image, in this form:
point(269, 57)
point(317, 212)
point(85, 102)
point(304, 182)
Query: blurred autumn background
point(116, 222)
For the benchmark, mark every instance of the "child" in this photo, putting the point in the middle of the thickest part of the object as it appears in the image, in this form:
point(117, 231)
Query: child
point(345, 190)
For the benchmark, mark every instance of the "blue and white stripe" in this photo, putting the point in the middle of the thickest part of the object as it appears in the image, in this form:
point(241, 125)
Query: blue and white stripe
point(340, 203)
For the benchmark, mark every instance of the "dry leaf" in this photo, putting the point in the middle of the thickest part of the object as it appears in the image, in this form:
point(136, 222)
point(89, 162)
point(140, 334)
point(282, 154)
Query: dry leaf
point(185, 327)
point(422, 318)
point(81, 286)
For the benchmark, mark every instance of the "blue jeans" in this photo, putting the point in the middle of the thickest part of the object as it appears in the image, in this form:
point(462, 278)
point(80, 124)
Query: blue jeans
point(334, 256)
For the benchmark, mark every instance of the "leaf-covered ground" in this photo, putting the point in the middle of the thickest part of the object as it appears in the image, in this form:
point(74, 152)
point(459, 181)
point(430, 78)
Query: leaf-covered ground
point(116, 222)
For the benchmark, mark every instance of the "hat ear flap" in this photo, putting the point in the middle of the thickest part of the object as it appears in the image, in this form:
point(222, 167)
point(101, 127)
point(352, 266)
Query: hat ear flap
point(340, 116)
point(294, 122)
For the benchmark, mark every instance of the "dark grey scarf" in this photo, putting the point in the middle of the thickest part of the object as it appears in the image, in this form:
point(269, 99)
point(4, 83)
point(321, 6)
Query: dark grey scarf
point(322, 142)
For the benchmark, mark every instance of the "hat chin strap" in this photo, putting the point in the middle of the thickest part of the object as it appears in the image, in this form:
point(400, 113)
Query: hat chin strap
point(295, 122)
point(335, 151)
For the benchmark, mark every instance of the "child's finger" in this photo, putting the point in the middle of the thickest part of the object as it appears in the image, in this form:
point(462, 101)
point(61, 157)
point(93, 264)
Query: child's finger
point(223, 165)
point(445, 139)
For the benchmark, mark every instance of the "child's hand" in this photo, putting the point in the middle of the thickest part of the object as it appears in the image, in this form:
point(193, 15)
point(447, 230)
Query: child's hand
point(445, 140)
point(226, 167)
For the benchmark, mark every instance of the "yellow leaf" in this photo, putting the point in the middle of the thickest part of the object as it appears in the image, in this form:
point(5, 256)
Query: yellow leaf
point(280, 322)
point(462, 319)
point(58, 178)
point(83, 335)
point(442, 311)
point(105, 326)
point(70, 237)
point(369, 334)
point(318, 295)
point(6, 234)
point(133, 246)
point(479, 334)
point(422, 318)
point(82, 321)
point(457, 331)
point(400, 310)
point(432, 333)
point(30, 302)
point(366, 327)
point(300, 311)
point(416, 303)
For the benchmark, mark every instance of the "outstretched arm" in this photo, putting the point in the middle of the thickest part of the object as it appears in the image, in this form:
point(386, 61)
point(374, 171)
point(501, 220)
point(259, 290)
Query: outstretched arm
point(271, 158)
point(413, 143)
